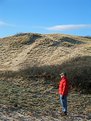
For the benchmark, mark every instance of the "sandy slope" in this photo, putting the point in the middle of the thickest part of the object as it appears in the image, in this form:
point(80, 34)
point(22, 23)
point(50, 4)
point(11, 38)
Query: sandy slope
point(44, 50)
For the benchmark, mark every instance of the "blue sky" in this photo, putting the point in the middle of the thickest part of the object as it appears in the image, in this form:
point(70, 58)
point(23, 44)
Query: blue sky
point(45, 16)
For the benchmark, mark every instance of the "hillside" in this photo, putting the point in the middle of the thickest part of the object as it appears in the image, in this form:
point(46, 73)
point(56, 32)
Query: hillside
point(30, 65)
point(30, 50)
point(38, 49)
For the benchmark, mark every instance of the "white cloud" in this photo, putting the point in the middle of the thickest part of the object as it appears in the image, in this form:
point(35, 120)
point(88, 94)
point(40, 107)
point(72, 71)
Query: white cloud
point(4, 24)
point(69, 27)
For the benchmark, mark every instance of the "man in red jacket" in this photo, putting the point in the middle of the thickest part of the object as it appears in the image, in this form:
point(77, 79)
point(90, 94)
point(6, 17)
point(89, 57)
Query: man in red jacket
point(63, 92)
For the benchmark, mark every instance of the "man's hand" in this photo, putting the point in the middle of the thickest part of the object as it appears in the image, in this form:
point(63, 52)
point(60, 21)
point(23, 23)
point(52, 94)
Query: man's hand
point(62, 97)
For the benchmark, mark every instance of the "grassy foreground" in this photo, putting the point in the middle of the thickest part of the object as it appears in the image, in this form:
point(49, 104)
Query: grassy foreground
point(41, 98)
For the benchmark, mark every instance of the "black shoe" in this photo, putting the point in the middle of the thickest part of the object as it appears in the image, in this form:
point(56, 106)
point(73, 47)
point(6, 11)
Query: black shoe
point(64, 114)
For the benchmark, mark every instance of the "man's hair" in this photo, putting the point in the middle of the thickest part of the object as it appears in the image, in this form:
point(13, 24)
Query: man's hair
point(63, 73)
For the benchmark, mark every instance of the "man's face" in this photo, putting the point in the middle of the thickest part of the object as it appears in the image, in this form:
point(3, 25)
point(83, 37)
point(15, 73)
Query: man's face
point(62, 76)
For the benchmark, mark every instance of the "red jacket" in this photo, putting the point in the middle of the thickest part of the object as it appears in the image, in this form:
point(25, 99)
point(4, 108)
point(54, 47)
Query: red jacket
point(63, 86)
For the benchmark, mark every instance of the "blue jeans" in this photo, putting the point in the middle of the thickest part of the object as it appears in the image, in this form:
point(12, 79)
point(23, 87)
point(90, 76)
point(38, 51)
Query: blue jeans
point(63, 103)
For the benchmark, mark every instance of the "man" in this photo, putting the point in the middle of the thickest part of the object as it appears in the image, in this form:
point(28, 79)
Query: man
point(63, 92)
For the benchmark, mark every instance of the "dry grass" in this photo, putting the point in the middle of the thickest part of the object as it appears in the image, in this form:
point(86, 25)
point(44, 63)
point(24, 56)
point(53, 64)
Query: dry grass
point(30, 65)
point(39, 97)
point(31, 51)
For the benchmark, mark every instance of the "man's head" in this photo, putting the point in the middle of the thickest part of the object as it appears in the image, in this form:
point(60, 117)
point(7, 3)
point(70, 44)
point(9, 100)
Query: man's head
point(63, 74)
